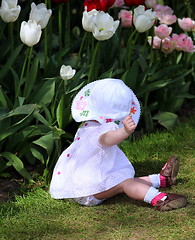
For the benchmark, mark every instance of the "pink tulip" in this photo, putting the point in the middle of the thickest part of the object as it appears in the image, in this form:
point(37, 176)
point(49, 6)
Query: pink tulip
point(162, 10)
point(150, 3)
point(118, 3)
point(183, 42)
point(162, 31)
point(156, 42)
point(186, 24)
point(167, 45)
point(167, 19)
point(126, 18)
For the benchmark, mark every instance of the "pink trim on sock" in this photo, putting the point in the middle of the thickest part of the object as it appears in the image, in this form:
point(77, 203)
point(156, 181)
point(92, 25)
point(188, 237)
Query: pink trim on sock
point(164, 166)
point(163, 182)
point(157, 198)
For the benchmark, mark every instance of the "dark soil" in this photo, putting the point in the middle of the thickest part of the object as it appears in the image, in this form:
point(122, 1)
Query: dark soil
point(8, 189)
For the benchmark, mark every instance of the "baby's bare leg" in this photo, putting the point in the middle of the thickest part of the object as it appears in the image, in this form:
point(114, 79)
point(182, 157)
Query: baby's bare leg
point(133, 188)
point(146, 180)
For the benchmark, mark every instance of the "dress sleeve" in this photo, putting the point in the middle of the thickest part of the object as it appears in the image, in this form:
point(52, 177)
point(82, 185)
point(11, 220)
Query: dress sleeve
point(105, 128)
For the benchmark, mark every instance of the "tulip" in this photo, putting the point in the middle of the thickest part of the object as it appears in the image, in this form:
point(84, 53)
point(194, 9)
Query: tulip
point(162, 31)
point(9, 10)
point(66, 72)
point(167, 45)
point(30, 33)
point(118, 3)
point(87, 20)
point(40, 14)
point(162, 10)
point(126, 18)
point(186, 24)
point(155, 42)
point(143, 20)
point(183, 42)
point(101, 5)
point(105, 26)
point(60, 1)
point(167, 19)
point(150, 3)
point(134, 2)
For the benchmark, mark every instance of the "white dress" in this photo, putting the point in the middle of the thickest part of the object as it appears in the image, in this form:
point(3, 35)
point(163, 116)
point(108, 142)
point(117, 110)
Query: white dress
point(86, 167)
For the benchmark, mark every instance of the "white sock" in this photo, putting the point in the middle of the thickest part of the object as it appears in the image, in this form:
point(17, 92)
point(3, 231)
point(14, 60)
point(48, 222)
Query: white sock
point(151, 194)
point(155, 180)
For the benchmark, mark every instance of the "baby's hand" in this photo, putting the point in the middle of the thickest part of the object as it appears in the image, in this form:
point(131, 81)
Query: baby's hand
point(129, 125)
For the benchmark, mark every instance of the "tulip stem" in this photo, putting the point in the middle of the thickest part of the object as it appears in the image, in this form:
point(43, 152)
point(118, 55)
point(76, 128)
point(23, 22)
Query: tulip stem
point(60, 32)
point(29, 61)
point(82, 44)
point(11, 36)
point(67, 37)
point(22, 73)
point(152, 50)
point(129, 49)
point(56, 97)
point(45, 44)
point(45, 50)
point(93, 63)
point(49, 50)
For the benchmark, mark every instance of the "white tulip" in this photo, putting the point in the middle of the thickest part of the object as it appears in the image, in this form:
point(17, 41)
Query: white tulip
point(143, 20)
point(66, 72)
point(40, 14)
point(87, 20)
point(105, 26)
point(9, 10)
point(30, 32)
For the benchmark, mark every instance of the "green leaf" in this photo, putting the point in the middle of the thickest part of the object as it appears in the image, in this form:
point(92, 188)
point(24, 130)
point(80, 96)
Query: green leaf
point(5, 123)
point(60, 112)
point(42, 119)
point(16, 162)
point(15, 127)
point(75, 89)
point(38, 153)
point(44, 93)
point(130, 76)
point(29, 84)
point(142, 62)
point(21, 110)
point(148, 119)
point(10, 61)
point(46, 142)
point(165, 72)
point(167, 119)
point(3, 101)
point(16, 79)
point(153, 86)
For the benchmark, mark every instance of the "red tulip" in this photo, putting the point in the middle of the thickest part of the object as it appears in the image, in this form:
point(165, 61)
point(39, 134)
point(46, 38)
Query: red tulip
point(101, 5)
point(134, 2)
point(60, 1)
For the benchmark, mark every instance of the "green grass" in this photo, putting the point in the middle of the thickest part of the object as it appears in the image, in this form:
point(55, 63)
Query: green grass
point(36, 216)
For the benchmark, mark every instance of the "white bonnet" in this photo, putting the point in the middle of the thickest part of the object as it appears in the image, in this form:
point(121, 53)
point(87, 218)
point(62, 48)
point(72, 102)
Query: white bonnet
point(105, 101)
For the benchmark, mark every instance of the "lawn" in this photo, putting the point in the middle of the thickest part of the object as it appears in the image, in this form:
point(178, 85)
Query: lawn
point(34, 215)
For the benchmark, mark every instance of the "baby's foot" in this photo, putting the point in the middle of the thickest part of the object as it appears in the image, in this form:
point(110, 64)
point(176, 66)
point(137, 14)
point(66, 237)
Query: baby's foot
point(168, 201)
point(169, 172)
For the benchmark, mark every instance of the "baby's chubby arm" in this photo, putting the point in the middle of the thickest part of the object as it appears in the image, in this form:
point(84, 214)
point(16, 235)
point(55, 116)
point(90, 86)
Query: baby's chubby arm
point(114, 137)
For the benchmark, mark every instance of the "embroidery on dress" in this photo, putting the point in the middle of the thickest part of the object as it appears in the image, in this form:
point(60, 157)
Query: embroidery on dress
point(87, 92)
point(109, 120)
point(133, 110)
point(81, 105)
point(84, 113)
